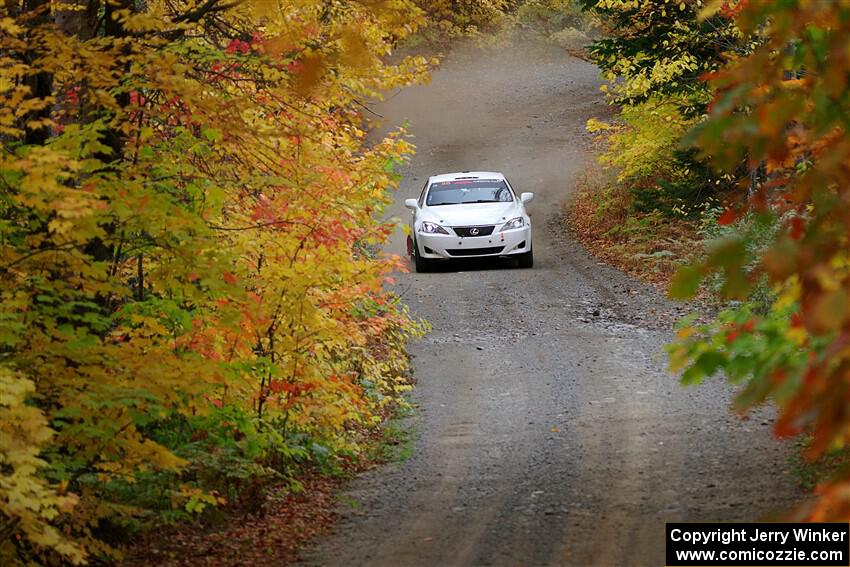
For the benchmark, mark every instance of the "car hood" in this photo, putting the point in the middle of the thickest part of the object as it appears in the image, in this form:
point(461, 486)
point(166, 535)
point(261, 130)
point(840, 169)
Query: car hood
point(472, 213)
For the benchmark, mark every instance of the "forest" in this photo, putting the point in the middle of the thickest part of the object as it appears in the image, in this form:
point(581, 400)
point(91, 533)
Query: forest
point(194, 301)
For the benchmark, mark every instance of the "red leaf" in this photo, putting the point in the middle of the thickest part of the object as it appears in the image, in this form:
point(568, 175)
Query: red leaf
point(237, 45)
point(782, 429)
point(778, 376)
point(295, 67)
point(728, 217)
point(798, 227)
point(811, 376)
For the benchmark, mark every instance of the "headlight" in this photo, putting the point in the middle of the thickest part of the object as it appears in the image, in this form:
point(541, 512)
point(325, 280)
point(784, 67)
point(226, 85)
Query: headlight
point(432, 228)
point(518, 222)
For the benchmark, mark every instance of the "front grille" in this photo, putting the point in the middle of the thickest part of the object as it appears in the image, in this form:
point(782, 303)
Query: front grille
point(466, 231)
point(475, 251)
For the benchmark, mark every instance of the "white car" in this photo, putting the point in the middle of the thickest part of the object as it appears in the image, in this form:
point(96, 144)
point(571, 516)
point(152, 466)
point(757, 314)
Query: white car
point(466, 215)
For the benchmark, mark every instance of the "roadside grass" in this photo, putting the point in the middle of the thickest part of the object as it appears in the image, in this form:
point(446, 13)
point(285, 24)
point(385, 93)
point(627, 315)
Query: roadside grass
point(649, 246)
point(395, 443)
point(349, 501)
point(809, 474)
point(286, 515)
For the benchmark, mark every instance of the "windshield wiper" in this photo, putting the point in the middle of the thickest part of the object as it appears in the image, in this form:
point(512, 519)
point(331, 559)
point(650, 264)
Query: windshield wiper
point(469, 202)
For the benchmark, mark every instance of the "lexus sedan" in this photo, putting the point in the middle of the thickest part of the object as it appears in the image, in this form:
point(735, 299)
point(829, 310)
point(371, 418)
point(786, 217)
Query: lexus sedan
point(469, 215)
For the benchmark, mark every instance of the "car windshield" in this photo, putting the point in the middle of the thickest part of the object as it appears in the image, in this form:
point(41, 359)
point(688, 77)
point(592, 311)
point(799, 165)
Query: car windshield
point(463, 191)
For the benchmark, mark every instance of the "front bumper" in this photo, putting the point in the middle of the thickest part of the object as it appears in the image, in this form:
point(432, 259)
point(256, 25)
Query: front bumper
point(445, 246)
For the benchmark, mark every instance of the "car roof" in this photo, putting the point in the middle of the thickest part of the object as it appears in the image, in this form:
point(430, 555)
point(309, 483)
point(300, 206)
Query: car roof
point(465, 175)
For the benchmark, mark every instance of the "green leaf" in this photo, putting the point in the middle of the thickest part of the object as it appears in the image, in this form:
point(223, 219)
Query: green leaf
point(704, 367)
point(212, 134)
point(685, 283)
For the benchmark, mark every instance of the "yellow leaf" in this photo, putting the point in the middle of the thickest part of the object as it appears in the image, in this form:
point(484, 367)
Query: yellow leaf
point(710, 9)
point(685, 332)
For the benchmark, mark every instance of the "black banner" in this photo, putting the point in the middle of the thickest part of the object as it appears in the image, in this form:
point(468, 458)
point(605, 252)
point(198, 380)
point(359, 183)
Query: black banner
point(758, 545)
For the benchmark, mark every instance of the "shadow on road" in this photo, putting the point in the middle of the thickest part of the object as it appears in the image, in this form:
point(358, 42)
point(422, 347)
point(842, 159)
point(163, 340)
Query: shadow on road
point(473, 265)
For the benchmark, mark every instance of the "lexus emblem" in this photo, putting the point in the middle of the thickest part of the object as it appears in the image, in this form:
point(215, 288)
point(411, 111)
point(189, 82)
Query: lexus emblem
point(474, 231)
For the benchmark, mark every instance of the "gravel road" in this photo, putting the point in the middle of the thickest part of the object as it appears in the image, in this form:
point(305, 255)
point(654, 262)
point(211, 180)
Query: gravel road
point(547, 431)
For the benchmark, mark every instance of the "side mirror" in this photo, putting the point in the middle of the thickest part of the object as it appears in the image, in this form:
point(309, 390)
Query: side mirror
point(526, 197)
point(411, 204)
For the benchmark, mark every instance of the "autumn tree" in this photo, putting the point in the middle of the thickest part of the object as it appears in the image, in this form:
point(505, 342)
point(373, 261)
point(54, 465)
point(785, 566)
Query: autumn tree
point(190, 287)
point(658, 48)
point(786, 106)
point(653, 54)
point(463, 17)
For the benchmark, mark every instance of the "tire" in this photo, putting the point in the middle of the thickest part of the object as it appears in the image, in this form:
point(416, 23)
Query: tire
point(526, 260)
point(423, 265)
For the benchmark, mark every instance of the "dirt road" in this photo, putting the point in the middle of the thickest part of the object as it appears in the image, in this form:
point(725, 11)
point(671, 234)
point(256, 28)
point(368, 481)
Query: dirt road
point(547, 431)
